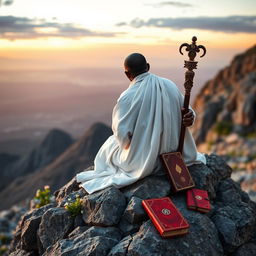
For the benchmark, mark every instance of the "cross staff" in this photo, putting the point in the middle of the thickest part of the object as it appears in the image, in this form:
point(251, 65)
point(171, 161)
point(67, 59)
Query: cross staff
point(190, 64)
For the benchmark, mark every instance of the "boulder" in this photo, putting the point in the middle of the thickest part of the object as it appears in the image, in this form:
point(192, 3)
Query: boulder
point(114, 223)
point(56, 223)
point(103, 208)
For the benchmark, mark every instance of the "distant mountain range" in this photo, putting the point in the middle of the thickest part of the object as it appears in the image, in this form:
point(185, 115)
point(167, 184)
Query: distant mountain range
point(53, 163)
point(55, 143)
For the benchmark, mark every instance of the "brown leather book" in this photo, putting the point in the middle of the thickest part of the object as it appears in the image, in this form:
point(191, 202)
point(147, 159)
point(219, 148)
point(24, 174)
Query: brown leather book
point(167, 219)
point(177, 171)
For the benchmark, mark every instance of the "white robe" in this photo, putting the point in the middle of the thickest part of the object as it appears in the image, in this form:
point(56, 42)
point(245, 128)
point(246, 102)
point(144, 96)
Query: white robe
point(150, 110)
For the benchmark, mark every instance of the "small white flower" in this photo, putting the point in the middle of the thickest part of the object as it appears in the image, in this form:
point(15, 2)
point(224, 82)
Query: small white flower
point(38, 192)
point(52, 198)
point(82, 211)
point(65, 204)
point(46, 187)
point(69, 199)
point(77, 196)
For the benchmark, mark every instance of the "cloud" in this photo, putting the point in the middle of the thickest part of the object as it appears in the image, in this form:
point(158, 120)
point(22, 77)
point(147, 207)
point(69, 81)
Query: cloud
point(229, 24)
point(6, 2)
point(13, 28)
point(173, 3)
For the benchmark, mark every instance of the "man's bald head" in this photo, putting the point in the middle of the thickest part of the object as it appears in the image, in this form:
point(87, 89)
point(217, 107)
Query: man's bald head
point(135, 64)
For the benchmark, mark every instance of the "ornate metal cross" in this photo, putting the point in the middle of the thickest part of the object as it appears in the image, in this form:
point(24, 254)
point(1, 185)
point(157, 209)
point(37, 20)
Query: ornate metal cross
point(190, 64)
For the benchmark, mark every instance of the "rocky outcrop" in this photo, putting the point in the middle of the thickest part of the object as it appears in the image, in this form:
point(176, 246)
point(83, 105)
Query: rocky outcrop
point(113, 222)
point(227, 103)
point(75, 158)
point(226, 120)
point(53, 145)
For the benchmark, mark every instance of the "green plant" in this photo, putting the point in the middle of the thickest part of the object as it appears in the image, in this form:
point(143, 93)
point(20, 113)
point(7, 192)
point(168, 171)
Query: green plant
point(3, 249)
point(251, 135)
point(75, 207)
point(43, 197)
point(4, 239)
point(223, 128)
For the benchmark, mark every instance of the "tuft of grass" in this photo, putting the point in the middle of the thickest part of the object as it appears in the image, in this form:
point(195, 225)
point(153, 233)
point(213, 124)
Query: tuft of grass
point(43, 197)
point(223, 128)
point(75, 207)
point(251, 135)
point(3, 250)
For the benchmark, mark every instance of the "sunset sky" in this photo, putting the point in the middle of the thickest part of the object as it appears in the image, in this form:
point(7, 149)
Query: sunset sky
point(61, 61)
point(81, 33)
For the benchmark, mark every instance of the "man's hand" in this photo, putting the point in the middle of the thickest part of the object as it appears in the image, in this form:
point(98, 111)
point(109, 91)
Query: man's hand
point(188, 118)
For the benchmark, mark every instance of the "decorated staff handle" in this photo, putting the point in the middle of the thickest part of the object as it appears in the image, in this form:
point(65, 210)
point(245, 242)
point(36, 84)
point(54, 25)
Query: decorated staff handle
point(190, 64)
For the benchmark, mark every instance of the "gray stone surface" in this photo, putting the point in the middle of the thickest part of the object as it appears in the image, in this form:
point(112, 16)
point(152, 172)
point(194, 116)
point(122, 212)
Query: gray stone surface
point(149, 187)
point(94, 241)
point(121, 248)
point(103, 208)
point(56, 224)
point(114, 223)
point(248, 249)
point(134, 212)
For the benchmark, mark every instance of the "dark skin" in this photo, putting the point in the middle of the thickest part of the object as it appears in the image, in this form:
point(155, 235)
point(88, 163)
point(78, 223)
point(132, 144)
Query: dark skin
point(134, 65)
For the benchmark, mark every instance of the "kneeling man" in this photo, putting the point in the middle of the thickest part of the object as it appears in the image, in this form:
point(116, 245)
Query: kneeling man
point(146, 122)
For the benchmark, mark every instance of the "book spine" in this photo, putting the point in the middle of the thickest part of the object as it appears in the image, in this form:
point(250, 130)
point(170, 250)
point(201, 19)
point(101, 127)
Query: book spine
point(152, 217)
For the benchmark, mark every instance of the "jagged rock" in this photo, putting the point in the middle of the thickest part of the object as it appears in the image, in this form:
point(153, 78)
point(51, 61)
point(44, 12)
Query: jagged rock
point(56, 224)
point(234, 215)
point(26, 232)
point(121, 248)
point(149, 187)
point(98, 207)
point(218, 166)
point(148, 242)
point(128, 228)
point(134, 211)
point(71, 186)
point(248, 249)
point(112, 214)
point(208, 176)
point(22, 253)
point(78, 231)
point(72, 196)
point(94, 241)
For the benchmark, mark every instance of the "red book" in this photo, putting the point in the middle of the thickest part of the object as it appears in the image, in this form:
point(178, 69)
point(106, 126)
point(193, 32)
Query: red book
point(177, 171)
point(165, 216)
point(198, 200)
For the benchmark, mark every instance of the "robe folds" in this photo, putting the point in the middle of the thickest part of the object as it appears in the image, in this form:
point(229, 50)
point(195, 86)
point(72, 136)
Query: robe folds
point(146, 122)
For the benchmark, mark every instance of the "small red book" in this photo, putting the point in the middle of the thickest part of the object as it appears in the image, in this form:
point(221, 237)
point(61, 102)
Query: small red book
point(198, 200)
point(177, 171)
point(165, 216)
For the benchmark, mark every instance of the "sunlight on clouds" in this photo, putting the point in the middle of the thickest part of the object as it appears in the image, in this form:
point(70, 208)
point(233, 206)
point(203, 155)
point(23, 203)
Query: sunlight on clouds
point(46, 30)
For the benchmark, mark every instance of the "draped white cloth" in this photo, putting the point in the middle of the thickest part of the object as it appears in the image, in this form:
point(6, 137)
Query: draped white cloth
point(150, 111)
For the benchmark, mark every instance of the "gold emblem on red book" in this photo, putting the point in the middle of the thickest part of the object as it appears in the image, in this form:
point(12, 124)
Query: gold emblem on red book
point(166, 211)
point(198, 197)
point(178, 169)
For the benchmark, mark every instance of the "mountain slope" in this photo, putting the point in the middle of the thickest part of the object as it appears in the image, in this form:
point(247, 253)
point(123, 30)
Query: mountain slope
point(227, 103)
point(77, 157)
point(55, 143)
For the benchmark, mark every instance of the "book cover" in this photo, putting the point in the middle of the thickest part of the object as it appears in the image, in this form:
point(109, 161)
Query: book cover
point(198, 200)
point(177, 171)
point(166, 217)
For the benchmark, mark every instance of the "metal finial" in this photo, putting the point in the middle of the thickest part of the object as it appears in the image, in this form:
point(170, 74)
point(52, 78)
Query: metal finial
point(192, 49)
